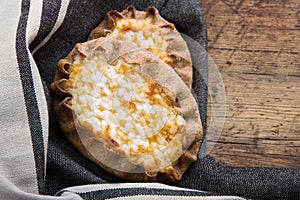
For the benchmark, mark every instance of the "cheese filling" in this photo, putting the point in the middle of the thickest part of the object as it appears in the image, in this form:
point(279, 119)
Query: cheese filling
point(145, 35)
point(125, 111)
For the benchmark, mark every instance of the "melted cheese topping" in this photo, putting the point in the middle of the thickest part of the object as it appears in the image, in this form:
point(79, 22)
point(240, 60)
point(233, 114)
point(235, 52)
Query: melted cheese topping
point(145, 35)
point(125, 111)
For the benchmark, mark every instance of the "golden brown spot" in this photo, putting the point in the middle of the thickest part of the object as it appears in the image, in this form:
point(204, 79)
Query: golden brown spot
point(101, 108)
point(141, 149)
point(112, 142)
point(99, 117)
point(124, 69)
point(132, 106)
point(154, 139)
point(148, 120)
point(103, 94)
point(106, 129)
point(169, 138)
point(154, 88)
point(170, 63)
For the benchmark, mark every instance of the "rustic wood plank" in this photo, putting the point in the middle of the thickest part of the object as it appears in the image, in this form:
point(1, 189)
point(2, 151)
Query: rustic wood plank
point(256, 46)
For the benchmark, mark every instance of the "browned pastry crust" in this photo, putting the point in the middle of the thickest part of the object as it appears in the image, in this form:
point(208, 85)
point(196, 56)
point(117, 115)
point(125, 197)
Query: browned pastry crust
point(99, 152)
point(177, 52)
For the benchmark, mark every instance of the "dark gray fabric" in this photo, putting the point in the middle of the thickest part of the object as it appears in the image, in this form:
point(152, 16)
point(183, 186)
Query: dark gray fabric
point(50, 9)
point(113, 193)
point(67, 167)
point(257, 183)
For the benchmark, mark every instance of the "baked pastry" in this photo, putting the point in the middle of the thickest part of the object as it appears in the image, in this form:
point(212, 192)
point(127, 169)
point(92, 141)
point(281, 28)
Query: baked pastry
point(127, 111)
point(150, 31)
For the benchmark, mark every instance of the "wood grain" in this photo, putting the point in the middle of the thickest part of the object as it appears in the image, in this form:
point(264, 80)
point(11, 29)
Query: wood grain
point(256, 46)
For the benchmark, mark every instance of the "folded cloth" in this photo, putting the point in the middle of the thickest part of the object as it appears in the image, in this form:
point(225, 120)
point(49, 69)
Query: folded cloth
point(37, 162)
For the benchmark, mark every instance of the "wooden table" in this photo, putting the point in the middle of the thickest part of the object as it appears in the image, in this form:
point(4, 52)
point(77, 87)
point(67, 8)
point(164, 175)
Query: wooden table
point(256, 45)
